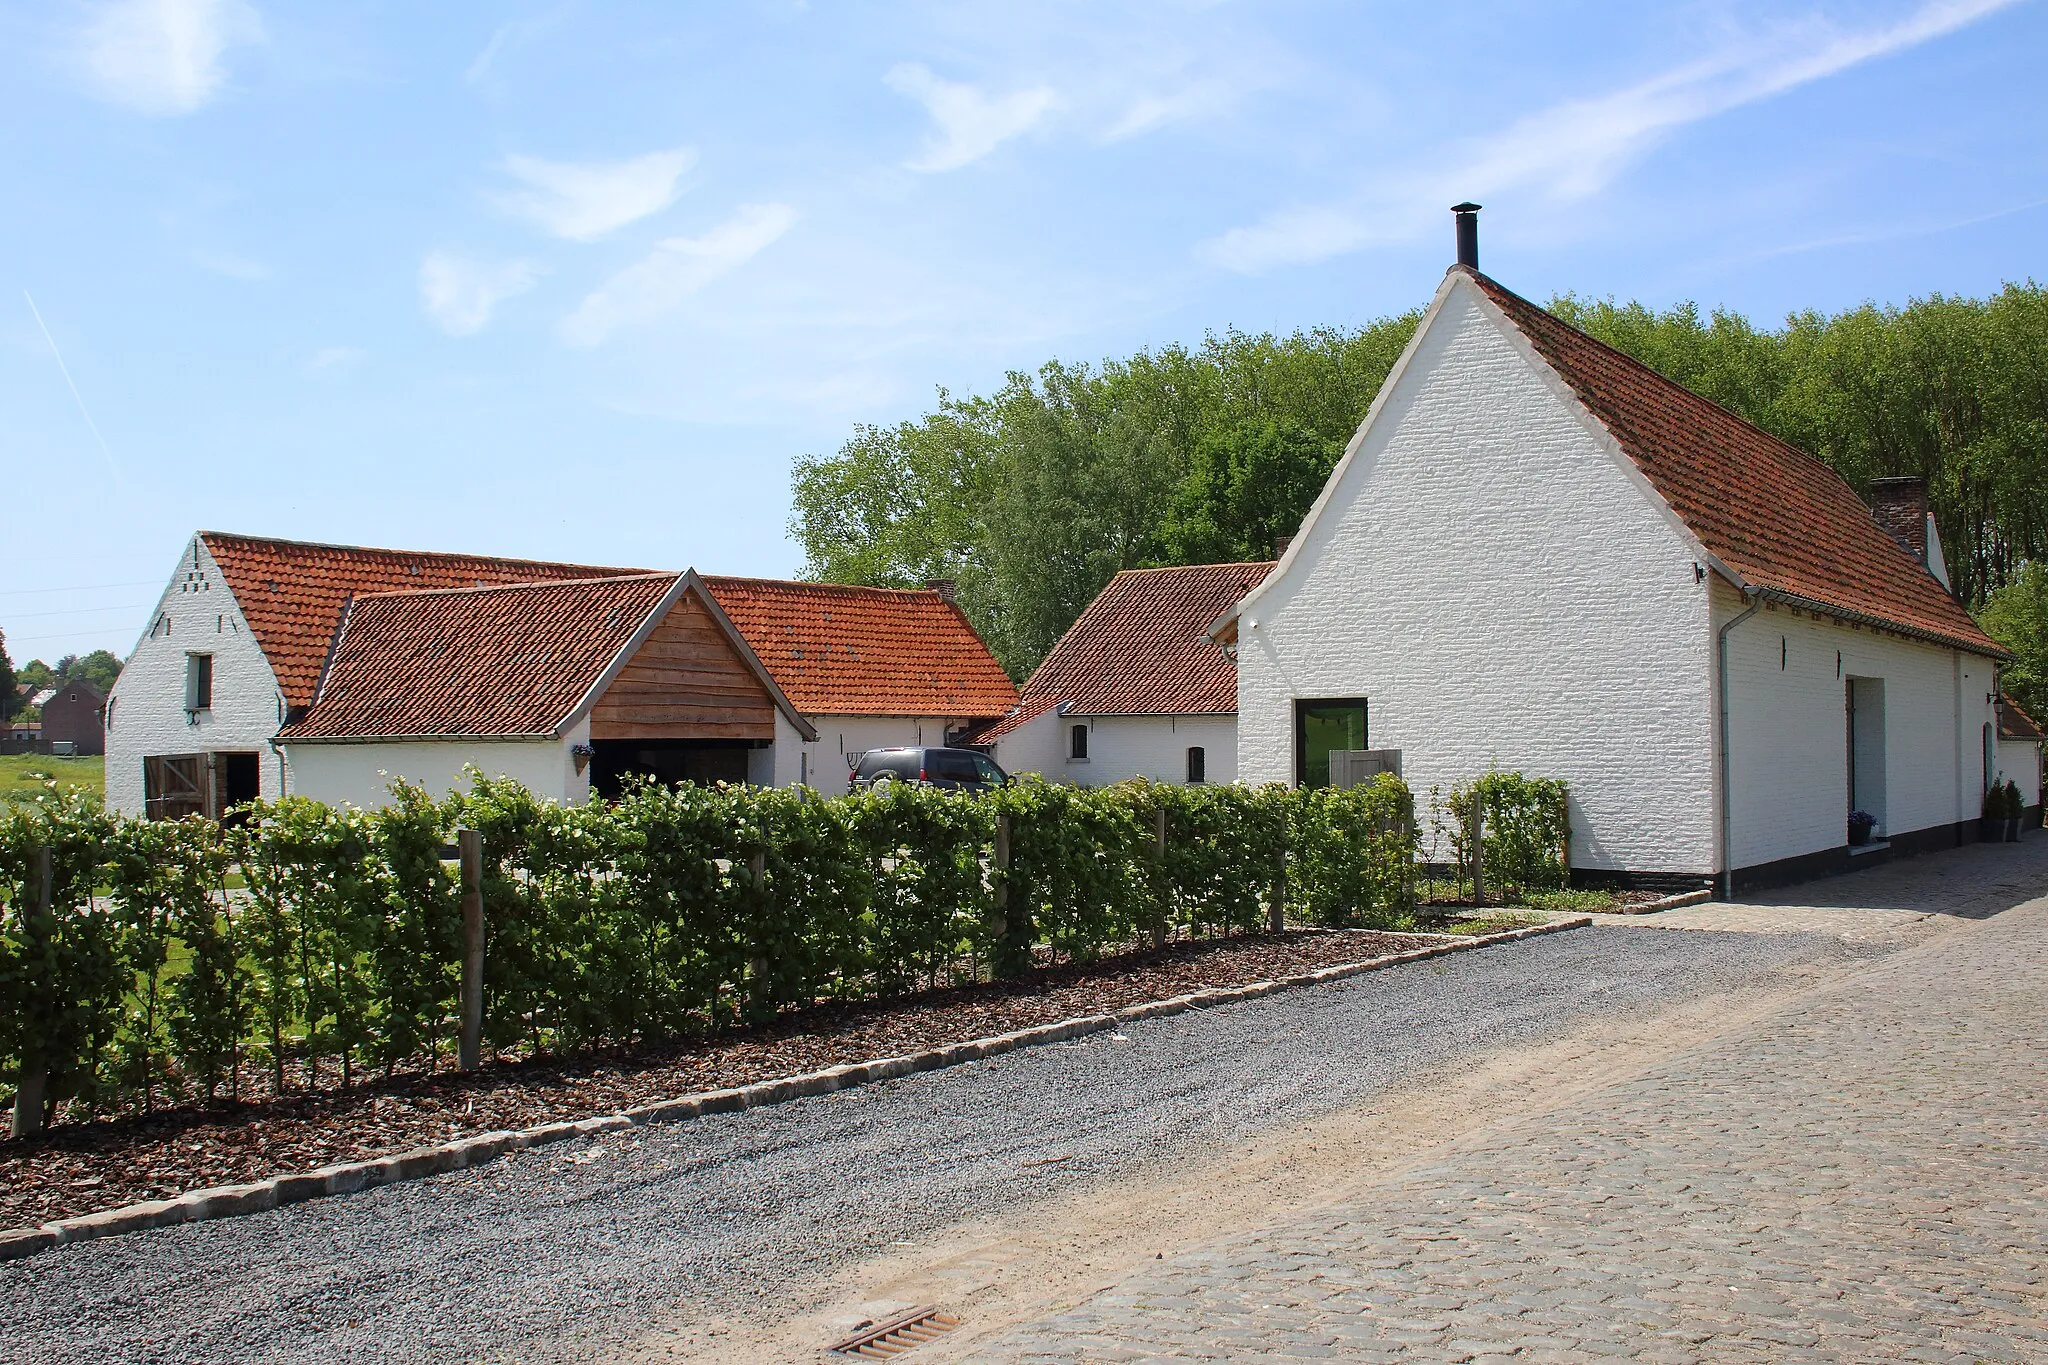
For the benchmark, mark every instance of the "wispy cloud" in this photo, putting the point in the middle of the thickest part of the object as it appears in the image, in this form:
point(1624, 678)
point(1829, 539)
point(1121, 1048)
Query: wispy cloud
point(460, 294)
point(334, 360)
point(1576, 148)
point(677, 268)
point(969, 122)
point(1148, 112)
point(163, 56)
point(583, 201)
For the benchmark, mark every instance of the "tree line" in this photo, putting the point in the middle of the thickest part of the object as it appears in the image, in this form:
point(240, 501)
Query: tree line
point(1034, 496)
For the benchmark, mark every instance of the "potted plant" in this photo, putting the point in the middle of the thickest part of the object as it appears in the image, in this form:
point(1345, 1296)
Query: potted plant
point(2015, 807)
point(1861, 822)
point(1991, 816)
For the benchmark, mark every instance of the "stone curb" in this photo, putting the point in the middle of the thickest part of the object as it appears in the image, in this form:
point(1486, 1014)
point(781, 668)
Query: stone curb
point(1668, 903)
point(350, 1177)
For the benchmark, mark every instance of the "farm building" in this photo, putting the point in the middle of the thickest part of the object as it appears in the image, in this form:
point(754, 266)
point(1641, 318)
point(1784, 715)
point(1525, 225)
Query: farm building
point(1538, 554)
point(1135, 688)
point(227, 697)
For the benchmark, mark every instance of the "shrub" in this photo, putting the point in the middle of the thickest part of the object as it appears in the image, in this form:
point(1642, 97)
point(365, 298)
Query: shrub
point(1525, 826)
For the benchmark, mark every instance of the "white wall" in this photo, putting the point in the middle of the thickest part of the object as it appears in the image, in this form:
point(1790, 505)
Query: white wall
point(146, 712)
point(1505, 591)
point(823, 764)
point(1034, 747)
point(1121, 747)
point(1788, 719)
point(362, 774)
point(2020, 760)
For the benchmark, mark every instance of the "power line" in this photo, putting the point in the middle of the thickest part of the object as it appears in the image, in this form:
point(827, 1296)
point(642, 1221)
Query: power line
point(82, 587)
point(62, 635)
point(75, 611)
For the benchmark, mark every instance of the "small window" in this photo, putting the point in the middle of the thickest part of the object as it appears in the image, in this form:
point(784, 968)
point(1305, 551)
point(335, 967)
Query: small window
point(1080, 743)
point(1321, 726)
point(1198, 765)
point(198, 682)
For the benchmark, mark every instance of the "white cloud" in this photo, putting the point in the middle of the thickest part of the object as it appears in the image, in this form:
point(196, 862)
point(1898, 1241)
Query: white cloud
point(971, 124)
point(334, 360)
point(585, 200)
point(460, 294)
point(1575, 149)
point(163, 56)
point(677, 268)
point(1148, 112)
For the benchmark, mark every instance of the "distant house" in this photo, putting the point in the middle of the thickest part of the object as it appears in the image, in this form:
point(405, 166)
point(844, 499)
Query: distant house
point(1135, 688)
point(71, 716)
point(2019, 752)
point(1539, 554)
point(22, 736)
point(278, 667)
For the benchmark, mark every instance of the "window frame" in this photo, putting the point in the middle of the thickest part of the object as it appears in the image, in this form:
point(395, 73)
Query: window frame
point(1303, 705)
point(1198, 765)
point(198, 681)
point(1077, 742)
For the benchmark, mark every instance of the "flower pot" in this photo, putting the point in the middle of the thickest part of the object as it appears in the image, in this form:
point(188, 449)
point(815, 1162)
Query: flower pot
point(2012, 831)
point(1991, 830)
point(1859, 835)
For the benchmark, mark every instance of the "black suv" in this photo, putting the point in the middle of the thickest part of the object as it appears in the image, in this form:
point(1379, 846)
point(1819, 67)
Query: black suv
point(960, 770)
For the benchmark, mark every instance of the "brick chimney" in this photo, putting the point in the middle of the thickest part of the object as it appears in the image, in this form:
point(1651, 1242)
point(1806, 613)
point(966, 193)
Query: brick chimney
point(1900, 506)
point(948, 589)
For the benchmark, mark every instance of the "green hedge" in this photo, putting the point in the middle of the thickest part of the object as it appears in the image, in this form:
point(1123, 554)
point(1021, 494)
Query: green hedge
point(666, 913)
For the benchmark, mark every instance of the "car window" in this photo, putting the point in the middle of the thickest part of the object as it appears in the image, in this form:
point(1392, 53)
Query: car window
point(989, 771)
point(896, 762)
point(949, 764)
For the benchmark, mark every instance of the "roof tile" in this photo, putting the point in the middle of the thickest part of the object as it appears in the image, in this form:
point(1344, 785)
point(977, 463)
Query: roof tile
point(292, 592)
point(1772, 513)
point(511, 660)
point(836, 649)
point(1142, 647)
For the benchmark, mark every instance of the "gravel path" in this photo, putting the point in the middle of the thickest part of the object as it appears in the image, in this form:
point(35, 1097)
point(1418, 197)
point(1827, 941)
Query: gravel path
point(551, 1252)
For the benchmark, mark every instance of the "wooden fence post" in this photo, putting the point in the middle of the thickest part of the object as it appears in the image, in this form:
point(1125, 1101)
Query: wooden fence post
point(1276, 912)
point(757, 871)
point(999, 918)
point(1478, 850)
point(1165, 892)
point(469, 845)
point(35, 1073)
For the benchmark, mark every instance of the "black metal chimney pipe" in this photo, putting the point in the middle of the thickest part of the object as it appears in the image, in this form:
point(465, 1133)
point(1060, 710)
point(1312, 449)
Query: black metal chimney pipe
point(1468, 234)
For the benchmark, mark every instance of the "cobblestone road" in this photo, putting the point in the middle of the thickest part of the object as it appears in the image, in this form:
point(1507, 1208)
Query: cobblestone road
point(1860, 1178)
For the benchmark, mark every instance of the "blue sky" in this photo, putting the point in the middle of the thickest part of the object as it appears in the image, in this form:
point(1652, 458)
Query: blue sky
point(579, 281)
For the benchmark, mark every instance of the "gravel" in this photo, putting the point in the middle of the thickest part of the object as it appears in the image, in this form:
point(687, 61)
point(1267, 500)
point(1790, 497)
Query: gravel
point(557, 1252)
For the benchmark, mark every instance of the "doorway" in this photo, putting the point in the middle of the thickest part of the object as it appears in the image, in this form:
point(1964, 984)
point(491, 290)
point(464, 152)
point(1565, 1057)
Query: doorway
point(1863, 700)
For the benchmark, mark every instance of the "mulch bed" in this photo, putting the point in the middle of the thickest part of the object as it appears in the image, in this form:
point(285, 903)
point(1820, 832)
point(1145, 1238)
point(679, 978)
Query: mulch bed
point(85, 1167)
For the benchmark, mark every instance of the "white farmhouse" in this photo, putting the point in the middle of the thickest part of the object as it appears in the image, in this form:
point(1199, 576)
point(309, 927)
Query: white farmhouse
point(1135, 688)
point(1538, 554)
point(235, 649)
point(2019, 755)
point(277, 667)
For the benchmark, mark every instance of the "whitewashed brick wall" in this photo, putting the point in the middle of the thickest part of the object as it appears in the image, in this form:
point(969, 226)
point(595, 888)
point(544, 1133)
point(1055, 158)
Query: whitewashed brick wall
point(1121, 747)
point(1789, 761)
point(1505, 592)
point(147, 705)
point(362, 774)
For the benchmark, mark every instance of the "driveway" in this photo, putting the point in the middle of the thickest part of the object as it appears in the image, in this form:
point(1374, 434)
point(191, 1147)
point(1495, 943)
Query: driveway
point(1856, 1176)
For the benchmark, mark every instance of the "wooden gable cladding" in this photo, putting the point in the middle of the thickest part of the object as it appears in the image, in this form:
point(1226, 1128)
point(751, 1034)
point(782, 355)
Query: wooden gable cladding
point(685, 682)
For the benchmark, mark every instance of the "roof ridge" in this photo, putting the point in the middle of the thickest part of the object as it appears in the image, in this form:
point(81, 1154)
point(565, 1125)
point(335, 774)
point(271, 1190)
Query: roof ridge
point(1221, 564)
point(1658, 375)
point(816, 585)
point(388, 550)
point(652, 576)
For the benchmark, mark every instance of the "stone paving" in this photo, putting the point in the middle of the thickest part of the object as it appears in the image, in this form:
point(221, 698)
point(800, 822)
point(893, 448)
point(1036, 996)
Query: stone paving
point(1863, 1176)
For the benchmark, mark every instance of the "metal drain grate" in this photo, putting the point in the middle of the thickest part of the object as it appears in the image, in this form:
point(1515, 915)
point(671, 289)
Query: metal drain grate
point(881, 1340)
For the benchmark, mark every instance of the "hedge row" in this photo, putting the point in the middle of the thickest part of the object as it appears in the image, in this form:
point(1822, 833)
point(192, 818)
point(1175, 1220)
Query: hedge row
point(313, 942)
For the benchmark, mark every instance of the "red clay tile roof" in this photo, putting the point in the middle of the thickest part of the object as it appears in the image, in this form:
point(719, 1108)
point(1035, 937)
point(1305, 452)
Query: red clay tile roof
point(840, 650)
point(475, 661)
point(292, 592)
point(1773, 514)
point(1142, 647)
point(2015, 723)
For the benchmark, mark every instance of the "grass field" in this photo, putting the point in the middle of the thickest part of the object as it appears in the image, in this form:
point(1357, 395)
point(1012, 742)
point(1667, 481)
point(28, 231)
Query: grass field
point(23, 777)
